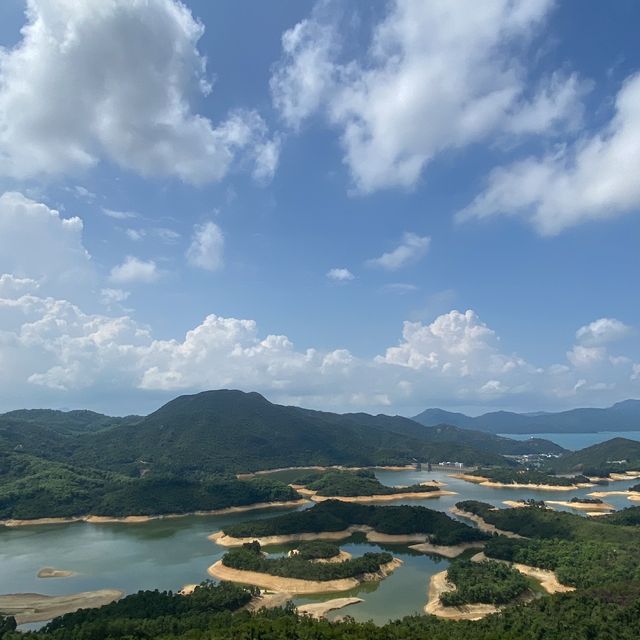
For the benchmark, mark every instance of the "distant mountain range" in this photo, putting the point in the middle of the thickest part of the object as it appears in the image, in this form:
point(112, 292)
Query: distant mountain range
point(622, 416)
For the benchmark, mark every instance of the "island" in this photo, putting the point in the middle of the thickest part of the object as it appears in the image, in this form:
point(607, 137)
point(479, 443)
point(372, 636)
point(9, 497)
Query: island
point(297, 575)
point(361, 486)
point(336, 520)
point(517, 478)
point(470, 590)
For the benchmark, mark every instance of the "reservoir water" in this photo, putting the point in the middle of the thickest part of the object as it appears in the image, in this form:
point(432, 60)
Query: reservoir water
point(575, 441)
point(167, 554)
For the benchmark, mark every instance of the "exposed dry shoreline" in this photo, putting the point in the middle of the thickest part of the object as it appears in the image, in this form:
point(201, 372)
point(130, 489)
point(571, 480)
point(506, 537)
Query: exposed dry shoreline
point(265, 472)
point(482, 524)
point(50, 572)
point(296, 585)
point(439, 585)
point(319, 610)
point(582, 506)
point(486, 482)
point(372, 536)
point(401, 495)
point(451, 551)
point(92, 519)
point(221, 538)
point(547, 579)
point(34, 607)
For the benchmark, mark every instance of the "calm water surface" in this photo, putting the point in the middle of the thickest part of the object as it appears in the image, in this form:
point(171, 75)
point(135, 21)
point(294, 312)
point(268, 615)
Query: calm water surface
point(575, 441)
point(166, 554)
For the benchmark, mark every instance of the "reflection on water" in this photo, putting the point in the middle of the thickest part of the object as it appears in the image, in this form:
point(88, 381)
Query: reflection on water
point(166, 554)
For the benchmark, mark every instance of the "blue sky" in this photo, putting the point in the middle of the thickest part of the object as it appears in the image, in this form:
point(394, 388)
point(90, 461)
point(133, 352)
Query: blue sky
point(353, 206)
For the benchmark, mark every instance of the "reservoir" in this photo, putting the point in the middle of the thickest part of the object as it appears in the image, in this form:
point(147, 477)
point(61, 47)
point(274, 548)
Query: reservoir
point(167, 554)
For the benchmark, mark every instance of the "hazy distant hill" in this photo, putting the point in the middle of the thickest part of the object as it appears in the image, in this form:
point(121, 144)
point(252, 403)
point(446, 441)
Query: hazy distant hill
point(68, 422)
point(622, 416)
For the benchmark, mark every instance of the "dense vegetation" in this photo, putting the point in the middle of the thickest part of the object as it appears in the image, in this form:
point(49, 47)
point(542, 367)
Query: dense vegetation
point(317, 550)
point(526, 476)
point(611, 613)
point(334, 515)
point(34, 488)
point(356, 483)
point(583, 552)
point(250, 558)
point(629, 516)
point(613, 456)
point(635, 488)
point(484, 582)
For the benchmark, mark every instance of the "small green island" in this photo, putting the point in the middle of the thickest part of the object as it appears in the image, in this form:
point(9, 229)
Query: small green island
point(359, 486)
point(334, 519)
point(486, 582)
point(302, 575)
point(532, 478)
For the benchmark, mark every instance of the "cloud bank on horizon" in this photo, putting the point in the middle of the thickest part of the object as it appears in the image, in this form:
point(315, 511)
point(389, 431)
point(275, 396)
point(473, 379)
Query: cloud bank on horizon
point(193, 196)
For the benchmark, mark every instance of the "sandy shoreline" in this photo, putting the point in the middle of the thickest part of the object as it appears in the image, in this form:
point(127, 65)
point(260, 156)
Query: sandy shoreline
point(221, 538)
point(450, 551)
point(372, 536)
point(50, 572)
point(547, 579)
point(92, 519)
point(482, 525)
point(338, 467)
point(408, 495)
point(439, 585)
point(296, 585)
point(582, 506)
point(34, 607)
point(319, 610)
point(486, 482)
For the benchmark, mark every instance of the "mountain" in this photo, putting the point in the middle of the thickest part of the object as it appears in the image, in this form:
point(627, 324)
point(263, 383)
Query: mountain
point(489, 442)
point(622, 416)
point(235, 431)
point(67, 422)
point(616, 454)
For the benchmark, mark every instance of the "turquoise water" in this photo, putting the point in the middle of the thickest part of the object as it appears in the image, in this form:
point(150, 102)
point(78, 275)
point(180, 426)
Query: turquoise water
point(166, 554)
point(575, 441)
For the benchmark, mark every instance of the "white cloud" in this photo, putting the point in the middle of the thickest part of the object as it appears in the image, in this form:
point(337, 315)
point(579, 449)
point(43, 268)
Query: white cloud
point(593, 178)
point(110, 297)
point(410, 250)
point(119, 215)
point(134, 270)
point(207, 247)
point(53, 352)
point(400, 288)
point(135, 234)
point(36, 242)
point(413, 96)
point(602, 331)
point(340, 275)
point(118, 76)
point(11, 287)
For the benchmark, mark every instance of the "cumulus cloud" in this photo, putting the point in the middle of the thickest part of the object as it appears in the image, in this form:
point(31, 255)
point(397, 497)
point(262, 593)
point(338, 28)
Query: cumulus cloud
point(410, 250)
point(207, 247)
point(52, 349)
point(593, 178)
point(110, 297)
point(133, 270)
point(340, 275)
point(602, 331)
point(37, 243)
point(413, 96)
point(118, 76)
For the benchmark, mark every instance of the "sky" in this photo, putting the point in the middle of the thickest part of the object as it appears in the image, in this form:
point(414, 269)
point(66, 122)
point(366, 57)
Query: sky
point(378, 206)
